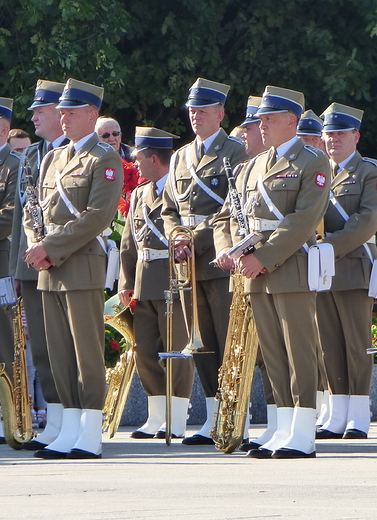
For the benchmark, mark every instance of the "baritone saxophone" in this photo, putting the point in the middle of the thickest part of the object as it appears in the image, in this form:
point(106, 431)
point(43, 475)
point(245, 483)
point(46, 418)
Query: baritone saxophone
point(241, 345)
point(14, 397)
point(119, 378)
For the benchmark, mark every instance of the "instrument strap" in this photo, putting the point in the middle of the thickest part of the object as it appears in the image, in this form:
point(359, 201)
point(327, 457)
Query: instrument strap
point(21, 180)
point(71, 207)
point(271, 206)
point(345, 216)
point(148, 221)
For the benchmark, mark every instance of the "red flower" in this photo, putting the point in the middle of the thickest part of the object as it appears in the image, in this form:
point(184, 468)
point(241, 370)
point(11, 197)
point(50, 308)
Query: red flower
point(114, 345)
point(130, 181)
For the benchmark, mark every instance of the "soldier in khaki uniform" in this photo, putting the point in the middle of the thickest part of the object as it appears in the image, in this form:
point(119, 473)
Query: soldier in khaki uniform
point(252, 136)
point(254, 146)
point(344, 312)
point(80, 186)
point(9, 163)
point(46, 120)
point(284, 193)
point(145, 275)
point(310, 130)
point(195, 191)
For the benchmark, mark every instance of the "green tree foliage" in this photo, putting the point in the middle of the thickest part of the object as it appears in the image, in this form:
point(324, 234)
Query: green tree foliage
point(147, 54)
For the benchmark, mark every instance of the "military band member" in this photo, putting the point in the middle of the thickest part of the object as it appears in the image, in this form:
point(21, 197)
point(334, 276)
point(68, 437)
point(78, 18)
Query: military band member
point(254, 146)
point(80, 186)
point(46, 120)
point(9, 163)
point(252, 136)
point(344, 312)
point(284, 193)
point(145, 275)
point(310, 130)
point(195, 191)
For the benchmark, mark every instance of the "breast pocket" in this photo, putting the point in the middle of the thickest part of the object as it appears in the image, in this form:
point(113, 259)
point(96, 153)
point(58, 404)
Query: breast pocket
point(284, 192)
point(77, 190)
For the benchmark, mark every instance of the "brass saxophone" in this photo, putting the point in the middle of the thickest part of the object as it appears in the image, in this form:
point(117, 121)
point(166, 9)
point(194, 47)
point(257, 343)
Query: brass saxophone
point(241, 346)
point(119, 378)
point(15, 399)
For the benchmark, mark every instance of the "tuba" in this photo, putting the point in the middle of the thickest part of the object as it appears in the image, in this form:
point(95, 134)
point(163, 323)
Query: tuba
point(119, 378)
point(14, 398)
point(241, 347)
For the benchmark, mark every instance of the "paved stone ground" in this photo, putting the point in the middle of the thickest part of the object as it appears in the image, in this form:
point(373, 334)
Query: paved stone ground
point(149, 480)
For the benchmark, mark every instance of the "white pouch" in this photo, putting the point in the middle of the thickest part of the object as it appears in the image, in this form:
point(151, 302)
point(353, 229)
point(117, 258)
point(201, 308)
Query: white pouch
point(321, 267)
point(112, 272)
point(373, 281)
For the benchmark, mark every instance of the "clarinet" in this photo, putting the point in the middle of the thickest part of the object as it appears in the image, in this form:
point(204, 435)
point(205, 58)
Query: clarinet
point(246, 245)
point(32, 205)
point(242, 222)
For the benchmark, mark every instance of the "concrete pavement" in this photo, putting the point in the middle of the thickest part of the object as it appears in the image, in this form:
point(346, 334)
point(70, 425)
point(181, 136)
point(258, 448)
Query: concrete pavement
point(149, 480)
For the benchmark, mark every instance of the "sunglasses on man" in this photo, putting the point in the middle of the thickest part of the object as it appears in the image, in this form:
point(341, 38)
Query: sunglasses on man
point(106, 135)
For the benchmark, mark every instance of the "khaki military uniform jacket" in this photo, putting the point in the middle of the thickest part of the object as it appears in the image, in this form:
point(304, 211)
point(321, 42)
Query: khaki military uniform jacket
point(354, 188)
point(18, 268)
point(298, 185)
point(149, 280)
point(211, 172)
point(92, 180)
point(9, 162)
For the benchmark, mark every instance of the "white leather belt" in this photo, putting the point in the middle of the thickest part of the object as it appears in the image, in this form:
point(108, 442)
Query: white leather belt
point(147, 255)
point(51, 227)
point(192, 221)
point(263, 224)
point(371, 240)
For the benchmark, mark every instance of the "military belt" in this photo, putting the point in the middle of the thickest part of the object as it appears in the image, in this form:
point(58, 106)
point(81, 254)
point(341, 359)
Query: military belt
point(148, 255)
point(192, 221)
point(262, 224)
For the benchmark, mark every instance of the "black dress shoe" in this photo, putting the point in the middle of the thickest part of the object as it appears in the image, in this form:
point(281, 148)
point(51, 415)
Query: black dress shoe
point(75, 453)
point(355, 434)
point(138, 434)
point(2, 440)
point(247, 446)
point(49, 454)
point(288, 453)
point(162, 435)
point(33, 445)
point(197, 440)
point(326, 434)
point(260, 453)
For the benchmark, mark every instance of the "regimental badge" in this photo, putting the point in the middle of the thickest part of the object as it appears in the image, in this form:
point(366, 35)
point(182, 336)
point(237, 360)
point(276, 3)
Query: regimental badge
point(110, 174)
point(320, 180)
point(215, 182)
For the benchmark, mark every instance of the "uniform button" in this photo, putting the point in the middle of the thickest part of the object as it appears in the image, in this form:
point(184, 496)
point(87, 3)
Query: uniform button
point(90, 249)
point(62, 258)
point(53, 203)
point(337, 257)
point(284, 185)
point(345, 191)
point(203, 248)
point(75, 183)
point(192, 209)
point(273, 185)
point(194, 192)
point(277, 265)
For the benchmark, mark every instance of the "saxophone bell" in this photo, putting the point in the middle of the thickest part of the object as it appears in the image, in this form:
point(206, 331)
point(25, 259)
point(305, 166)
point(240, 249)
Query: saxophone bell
point(119, 378)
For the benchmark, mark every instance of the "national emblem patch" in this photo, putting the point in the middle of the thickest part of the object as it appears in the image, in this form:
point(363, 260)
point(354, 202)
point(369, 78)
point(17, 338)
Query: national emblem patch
point(320, 180)
point(110, 174)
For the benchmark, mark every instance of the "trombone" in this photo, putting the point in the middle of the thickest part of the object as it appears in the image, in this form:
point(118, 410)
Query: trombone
point(182, 277)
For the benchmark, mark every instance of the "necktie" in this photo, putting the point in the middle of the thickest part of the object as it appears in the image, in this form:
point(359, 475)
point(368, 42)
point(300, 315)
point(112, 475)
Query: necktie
point(71, 151)
point(272, 159)
point(335, 170)
point(50, 147)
